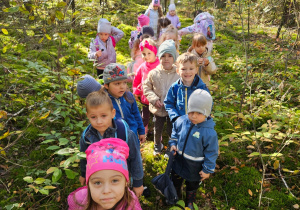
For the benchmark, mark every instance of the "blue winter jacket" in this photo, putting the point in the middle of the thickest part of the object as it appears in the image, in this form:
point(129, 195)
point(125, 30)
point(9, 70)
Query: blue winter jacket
point(178, 96)
point(129, 112)
point(201, 149)
point(134, 161)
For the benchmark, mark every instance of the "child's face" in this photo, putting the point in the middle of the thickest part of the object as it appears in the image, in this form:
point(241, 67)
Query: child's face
point(171, 37)
point(196, 117)
point(101, 117)
point(107, 187)
point(155, 7)
point(187, 72)
point(200, 49)
point(103, 36)
point(148, 55)
point(167, 61)
point(117, 88)
point(172, 12)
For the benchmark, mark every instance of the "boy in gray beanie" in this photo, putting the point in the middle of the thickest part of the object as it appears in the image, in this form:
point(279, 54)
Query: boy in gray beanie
point(87, 85)
point(156, 87)
point(195, 143)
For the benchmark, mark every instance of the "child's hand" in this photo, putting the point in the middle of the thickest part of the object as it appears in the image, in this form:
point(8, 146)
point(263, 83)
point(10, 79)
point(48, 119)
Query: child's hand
point(206, 61)
point(137, 97)
point(200, 61)
point(173, 148)
point(98, 53)
point(138, 190)
point(142, 138)
point(158, 104)
point(204, 175)
point(82, 180)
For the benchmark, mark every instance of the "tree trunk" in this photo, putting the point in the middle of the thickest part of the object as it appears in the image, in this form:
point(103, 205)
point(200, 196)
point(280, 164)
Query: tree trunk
point(73, 11)
point(284, 17)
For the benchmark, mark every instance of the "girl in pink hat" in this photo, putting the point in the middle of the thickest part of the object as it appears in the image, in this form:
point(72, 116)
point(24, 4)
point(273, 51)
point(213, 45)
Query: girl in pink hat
point(107, 179)
point(154, 12)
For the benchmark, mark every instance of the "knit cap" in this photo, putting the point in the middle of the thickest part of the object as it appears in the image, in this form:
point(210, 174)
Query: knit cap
point(200, 101)
point(155, 3)
point(104, 26)
point(143, 20)
point(114, 72)
point(167, 46)
point(172, 7)
point(87, 85)
point(147, 30)
point(107, 154)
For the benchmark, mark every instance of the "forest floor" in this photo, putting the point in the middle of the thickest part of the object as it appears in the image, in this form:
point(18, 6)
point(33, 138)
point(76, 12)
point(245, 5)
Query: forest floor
point(256, 110)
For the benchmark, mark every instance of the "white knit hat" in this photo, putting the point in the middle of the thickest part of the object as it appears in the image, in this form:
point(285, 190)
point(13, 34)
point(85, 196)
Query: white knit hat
point(200, 101)
point(172, 7)
point(104, 26)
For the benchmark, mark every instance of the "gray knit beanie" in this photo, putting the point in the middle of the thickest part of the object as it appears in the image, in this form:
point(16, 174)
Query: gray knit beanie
point(200, 101)
point(104, 26)
point(87, 85)
point(114, 72)
point(167, 46)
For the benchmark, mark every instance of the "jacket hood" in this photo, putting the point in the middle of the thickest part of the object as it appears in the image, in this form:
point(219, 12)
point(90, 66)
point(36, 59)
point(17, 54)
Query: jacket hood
point(209, 123)
point(198, 83)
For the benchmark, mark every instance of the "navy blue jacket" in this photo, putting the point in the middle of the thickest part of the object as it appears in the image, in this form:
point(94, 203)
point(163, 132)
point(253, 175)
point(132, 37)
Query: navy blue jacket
point(134, 161)
point(129, 112)
point(201, 149)
point(178, 96)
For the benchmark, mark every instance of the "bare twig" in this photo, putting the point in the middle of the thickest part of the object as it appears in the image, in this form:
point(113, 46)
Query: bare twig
point(284, 182)
point(5, 186)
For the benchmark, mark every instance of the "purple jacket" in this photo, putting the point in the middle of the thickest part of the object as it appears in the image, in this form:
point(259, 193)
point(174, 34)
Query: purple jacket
point(109, 53)
point(174, 20)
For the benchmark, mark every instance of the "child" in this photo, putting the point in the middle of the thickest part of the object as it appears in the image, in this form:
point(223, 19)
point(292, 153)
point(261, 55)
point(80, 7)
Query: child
point(170, 33)
point(155, 89)
point(176, 101)
point(136, 54)
point(163, 22)
point(203, 23)
point(143, 20)
point(107, 179)
point(205, 61)
point(149, 51)
point(195, 143)
point(154, 12)
point(173, 17)
point(101, 113)
point(103, 47)
point(87, 85)
point(115, 82)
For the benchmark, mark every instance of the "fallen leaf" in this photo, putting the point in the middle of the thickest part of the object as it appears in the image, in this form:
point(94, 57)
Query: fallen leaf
point(276, 164)
point(250, 192)
point(296, 206)
point(215, 190)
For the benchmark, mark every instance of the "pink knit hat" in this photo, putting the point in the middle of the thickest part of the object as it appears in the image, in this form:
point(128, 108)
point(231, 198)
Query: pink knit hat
point(107, 154)
point(155, 3)
point(143, 20)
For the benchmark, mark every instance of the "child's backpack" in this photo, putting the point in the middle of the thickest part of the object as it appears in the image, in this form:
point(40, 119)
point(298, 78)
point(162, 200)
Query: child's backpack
point(121, 133)
point(204, 23)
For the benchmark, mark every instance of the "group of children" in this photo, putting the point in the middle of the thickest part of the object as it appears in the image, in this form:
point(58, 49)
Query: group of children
point(175, 89)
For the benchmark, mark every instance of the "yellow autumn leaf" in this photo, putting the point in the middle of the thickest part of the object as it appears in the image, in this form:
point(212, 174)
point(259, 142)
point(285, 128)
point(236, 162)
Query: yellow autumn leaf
point(250, 192)
point(4, 31)
point(4, 49)
point(276, 164)
point(229, 21)
point(31, 17)
point(41, 40)
point(45, 115)
point(3, 114)
point(47, 36)
point(4, 135)
point(2, 152)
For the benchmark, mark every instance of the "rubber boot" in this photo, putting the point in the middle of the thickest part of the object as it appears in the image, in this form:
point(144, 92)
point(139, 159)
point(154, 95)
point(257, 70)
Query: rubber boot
point(190, 199)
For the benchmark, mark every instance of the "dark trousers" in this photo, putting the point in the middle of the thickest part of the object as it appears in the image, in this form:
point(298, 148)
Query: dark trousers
point(145, 115)
point(177, 181)
point(158, 128)
point(100, 73)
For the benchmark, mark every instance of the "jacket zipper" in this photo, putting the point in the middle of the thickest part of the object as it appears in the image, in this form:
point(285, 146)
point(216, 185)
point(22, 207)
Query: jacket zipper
point(118, 103)
point(185, 100)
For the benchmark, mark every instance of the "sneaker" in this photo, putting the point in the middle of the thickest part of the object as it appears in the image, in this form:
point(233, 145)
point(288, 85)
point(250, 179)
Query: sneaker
point(156, 151)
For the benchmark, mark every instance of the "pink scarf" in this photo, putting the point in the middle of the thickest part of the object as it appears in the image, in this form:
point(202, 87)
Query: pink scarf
point(149, 67)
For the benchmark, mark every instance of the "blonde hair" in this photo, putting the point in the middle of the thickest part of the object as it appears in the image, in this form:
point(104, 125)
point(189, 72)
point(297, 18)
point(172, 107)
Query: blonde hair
point(136, 45)
point(98, 98)
point(171, 30)
point(198, 40)
point(187, 57)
